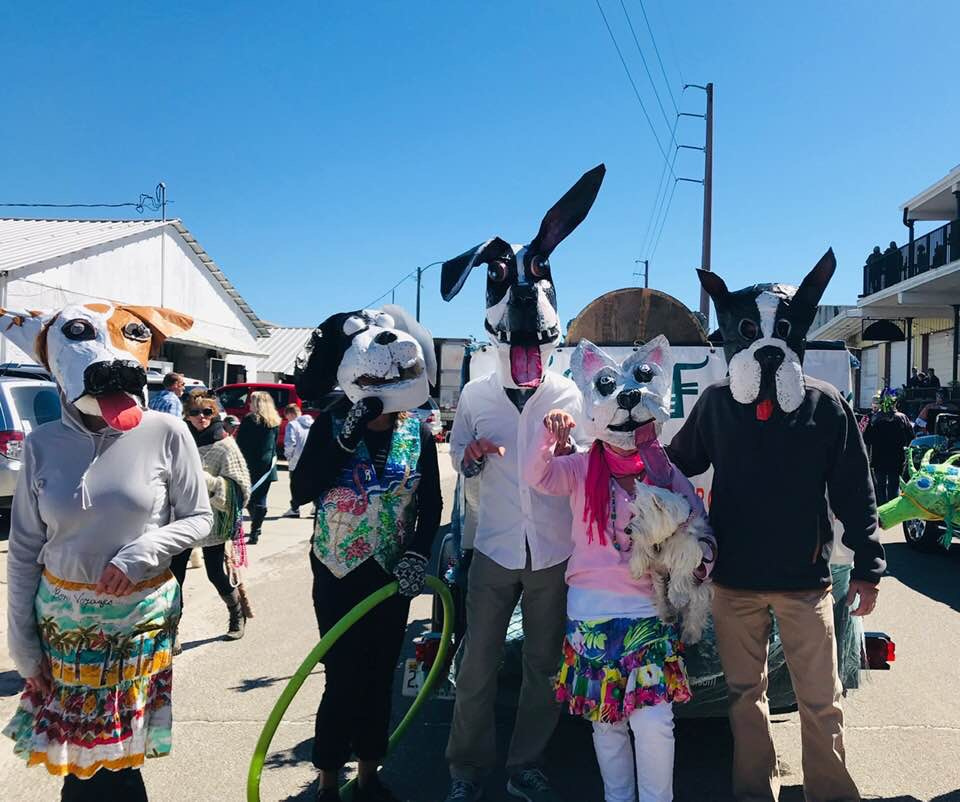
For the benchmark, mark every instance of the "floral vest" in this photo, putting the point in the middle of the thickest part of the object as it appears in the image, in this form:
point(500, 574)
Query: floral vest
point(364, 516)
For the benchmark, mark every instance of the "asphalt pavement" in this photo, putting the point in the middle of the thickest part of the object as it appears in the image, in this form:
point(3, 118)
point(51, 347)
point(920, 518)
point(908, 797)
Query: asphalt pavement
point(903, 726)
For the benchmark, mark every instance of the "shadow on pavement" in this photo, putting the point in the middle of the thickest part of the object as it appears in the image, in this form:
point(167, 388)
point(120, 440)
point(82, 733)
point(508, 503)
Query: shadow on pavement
point(255, 683)
point(933, 575)
point(193, 644)
point(11, 683)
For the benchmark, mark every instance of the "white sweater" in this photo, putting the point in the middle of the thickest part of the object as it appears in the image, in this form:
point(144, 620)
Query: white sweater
point(84, 499)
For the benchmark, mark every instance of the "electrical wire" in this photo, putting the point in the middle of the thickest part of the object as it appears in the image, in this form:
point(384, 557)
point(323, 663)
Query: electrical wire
point(375, 301)
point(661, 193)
point(154, 203)
point(636, 91)
point(660, 60)
point(663, 223)
point(643, 58)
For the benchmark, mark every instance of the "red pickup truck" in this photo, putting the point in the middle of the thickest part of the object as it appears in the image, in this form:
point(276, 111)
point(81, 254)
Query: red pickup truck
point(235, 400)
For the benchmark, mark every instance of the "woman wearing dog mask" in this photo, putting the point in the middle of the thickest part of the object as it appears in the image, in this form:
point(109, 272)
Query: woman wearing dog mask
point(622, 665)
point(371, 468)
point(257, 438)
point(108, 494)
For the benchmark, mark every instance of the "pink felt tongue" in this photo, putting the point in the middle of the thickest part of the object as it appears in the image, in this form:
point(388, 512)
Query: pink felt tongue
point(525, 365)
point(120, 411)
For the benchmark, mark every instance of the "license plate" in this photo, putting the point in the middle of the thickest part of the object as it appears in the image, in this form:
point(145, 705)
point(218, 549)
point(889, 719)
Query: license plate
point(414, 676)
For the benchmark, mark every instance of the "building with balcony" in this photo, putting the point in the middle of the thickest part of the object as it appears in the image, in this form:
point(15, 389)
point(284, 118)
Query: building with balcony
point(909, 312)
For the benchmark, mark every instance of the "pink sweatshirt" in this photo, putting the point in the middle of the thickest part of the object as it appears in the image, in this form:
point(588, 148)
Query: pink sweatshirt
point(592, 565)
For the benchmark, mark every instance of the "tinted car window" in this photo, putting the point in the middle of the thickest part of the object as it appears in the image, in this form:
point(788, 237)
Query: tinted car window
point(35, 405)
point(232, 397)
point(280, 397)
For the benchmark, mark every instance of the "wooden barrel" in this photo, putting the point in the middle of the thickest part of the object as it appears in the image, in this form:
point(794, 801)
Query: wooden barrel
point(635, 315)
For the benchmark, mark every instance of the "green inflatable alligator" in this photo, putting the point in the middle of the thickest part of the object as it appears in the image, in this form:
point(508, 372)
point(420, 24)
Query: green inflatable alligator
point(932, 494)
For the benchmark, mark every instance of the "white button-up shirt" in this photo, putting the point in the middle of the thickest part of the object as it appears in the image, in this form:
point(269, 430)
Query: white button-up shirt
point(511, 515)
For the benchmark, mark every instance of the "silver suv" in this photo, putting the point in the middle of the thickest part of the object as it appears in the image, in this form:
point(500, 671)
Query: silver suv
point(25, 404)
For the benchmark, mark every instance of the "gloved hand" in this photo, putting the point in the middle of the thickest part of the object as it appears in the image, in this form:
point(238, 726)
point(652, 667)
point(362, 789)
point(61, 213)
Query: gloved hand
point(411, 573)
point(360, 414)
point(658, 465)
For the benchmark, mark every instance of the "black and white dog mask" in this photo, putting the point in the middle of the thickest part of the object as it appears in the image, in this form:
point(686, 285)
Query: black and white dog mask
point(764, 330)
point(619, 397)
point(369, 354)
point(521, 297)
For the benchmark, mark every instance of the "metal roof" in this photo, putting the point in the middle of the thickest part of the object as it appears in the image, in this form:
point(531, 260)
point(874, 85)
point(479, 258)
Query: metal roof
point(936, 202)
point(282, 347)
point(29, 242)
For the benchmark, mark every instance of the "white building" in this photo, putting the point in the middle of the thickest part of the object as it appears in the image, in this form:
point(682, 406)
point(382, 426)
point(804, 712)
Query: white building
point(909, 312)
point(45, 264)
point(282, 349)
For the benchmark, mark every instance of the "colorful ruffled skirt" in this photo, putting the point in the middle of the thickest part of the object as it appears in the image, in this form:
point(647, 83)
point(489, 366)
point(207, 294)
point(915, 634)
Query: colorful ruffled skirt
point(613, 666)
point(112, 670)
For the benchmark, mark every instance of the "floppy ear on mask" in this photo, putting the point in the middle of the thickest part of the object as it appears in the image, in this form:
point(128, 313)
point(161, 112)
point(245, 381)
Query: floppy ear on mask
point(315, 373)
point(454, 272)
point(405, 322)
point(26, 330)
point(162, 322)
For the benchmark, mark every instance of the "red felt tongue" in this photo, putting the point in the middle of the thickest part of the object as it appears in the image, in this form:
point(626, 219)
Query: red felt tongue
point(764, 409)
point(120, 411)
point(525, 365)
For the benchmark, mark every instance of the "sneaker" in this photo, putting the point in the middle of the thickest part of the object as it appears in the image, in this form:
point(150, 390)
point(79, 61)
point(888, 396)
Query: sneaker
point(531, 785)
point(464, 791)
point(328, 795)
point(374, 792)
point(291, 513)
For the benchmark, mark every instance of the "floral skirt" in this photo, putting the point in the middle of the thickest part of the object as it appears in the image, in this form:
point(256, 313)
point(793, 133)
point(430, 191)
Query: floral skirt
point(613, 666)
point(112, 670)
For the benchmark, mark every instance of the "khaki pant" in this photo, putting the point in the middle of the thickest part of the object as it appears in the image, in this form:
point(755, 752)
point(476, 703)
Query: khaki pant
point(805, 619)
point(491, 598)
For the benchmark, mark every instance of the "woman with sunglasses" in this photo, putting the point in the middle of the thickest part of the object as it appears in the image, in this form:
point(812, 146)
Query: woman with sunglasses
point(228, 483)
point(257, 438)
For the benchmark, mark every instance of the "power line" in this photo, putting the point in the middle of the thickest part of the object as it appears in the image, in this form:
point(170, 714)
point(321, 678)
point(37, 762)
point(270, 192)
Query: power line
point(157, 202)
point(661, 190)
point(379, 298)
point(663, 223)
point(660, 60)
point(646, 67)
point(636, 91)
point(673, 50)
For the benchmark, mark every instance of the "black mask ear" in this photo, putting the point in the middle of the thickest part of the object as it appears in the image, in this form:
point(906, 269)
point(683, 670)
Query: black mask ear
point(811, 289)
point(454, 272)
point(715, 286)
point(567, 213)
point(315, 374)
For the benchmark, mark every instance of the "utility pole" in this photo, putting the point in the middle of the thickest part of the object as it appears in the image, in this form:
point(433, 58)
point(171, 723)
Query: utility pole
point(707, 201)
point(646, 271)
point(419, 273)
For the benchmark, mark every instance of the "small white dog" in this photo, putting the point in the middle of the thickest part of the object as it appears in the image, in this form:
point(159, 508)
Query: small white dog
point(666, 544)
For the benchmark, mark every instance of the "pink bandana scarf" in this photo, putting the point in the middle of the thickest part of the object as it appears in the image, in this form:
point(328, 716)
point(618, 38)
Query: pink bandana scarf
point(602, 466)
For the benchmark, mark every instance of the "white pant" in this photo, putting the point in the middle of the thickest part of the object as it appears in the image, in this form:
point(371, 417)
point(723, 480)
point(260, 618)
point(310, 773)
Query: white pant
point(652, 755)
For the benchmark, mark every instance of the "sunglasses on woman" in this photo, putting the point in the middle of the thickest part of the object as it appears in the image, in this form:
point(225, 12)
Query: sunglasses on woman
point(206, 412)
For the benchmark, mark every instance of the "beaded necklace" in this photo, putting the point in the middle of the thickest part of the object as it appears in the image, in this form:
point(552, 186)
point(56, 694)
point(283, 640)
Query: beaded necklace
point(613, 520)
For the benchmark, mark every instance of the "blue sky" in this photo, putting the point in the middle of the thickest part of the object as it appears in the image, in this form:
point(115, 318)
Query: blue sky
point(321, 151)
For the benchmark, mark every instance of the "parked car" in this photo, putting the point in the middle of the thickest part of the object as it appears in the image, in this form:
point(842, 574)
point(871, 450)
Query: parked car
point(429, 413)
point(24, 405)
point(155, 383)
point(25, 370)
point(235, 400)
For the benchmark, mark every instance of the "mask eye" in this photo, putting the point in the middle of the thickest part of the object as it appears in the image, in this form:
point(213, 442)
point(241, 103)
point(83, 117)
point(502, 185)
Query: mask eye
point(497, 271)
point(605, 385)
point(643, 374)
point(782, 328)
point(79, 330)
point(749, 329)
point(539, 267)
point(136, 331)
point(353, 325)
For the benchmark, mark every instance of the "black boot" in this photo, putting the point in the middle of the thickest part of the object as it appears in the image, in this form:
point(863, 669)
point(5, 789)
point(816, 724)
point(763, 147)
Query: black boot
point(256, 522)
point(237, 620)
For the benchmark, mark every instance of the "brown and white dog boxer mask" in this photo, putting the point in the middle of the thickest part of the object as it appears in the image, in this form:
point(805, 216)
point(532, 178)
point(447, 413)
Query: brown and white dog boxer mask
point(97, 353)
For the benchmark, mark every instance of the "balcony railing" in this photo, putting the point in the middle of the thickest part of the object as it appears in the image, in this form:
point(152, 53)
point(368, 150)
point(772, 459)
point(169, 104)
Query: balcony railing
point(935, 249)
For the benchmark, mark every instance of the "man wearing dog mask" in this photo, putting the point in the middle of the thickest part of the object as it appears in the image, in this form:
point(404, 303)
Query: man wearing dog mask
point(778, 441)
point(523, 537)
point(371, 469)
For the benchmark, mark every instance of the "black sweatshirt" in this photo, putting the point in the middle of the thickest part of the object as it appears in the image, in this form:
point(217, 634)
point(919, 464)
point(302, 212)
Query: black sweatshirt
point(323, 458)
point(768, 507)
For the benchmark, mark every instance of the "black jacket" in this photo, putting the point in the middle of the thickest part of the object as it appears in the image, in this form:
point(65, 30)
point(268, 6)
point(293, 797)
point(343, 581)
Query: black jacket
point(322, 458)
point(887, 434)
point(768, 503)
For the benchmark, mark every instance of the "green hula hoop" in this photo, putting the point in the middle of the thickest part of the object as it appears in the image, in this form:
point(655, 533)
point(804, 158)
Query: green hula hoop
point(330, 638)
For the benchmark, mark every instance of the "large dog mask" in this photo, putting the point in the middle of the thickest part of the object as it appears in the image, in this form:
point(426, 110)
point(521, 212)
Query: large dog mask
point(618, 398)
point(521, 296)
point(370, 354)
point(97, 353)
point(764, 330)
